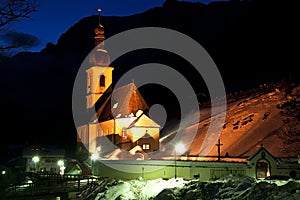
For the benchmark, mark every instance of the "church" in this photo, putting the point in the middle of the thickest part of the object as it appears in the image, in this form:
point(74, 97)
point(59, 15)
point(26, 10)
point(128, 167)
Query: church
point(120, 127)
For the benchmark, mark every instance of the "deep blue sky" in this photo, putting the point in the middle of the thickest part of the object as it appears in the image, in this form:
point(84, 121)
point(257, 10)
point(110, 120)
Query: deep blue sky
point(54, 17)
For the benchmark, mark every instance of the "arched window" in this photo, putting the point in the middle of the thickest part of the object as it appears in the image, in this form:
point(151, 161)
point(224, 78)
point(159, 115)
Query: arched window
point(102, 81)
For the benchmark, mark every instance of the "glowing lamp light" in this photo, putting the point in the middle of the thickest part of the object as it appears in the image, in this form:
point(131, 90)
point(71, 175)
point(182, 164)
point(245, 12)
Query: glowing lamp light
point(62, 167)
point(60, 163)
point(3, 172)
point(36, 159)
point(179, 148)
point(95, 156)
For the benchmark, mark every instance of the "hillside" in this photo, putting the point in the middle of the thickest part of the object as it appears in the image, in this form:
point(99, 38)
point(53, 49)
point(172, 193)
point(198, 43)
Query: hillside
point(268, 116)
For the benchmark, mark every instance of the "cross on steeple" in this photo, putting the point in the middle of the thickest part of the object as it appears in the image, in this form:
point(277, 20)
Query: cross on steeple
point(219, 149)
point(99, 32)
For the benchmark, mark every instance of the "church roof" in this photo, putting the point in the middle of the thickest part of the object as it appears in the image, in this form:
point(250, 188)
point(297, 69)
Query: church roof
point(121, 102)
point(144, 121)
point(261, 150)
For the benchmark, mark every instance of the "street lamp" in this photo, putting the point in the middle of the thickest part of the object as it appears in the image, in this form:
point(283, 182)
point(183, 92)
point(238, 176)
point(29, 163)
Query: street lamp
point(94, 157)
point(62, 167)
point(35, 160)
point(179, 149)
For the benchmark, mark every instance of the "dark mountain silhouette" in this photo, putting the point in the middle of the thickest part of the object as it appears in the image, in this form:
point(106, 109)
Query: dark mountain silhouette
point(251, 42)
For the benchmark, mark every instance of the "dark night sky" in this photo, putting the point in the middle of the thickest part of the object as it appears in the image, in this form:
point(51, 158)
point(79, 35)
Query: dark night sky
point(56, 16)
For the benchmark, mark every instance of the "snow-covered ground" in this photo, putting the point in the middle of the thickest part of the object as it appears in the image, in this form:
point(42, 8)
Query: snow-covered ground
point(230, 188)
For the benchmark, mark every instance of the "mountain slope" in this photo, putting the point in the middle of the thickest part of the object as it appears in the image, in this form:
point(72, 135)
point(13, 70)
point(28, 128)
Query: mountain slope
point(268, 116)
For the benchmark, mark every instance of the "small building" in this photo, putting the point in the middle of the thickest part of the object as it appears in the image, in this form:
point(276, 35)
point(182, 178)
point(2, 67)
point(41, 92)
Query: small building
point(262, 164)
point(44, 159)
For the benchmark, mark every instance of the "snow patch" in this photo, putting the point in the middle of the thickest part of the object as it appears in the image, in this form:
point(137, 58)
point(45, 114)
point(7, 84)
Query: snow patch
point(229, 187)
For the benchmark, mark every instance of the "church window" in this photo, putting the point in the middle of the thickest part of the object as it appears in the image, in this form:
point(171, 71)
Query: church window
point(102, 81)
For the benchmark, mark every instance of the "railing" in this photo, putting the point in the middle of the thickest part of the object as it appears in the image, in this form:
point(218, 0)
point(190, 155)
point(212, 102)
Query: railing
point(51, 184)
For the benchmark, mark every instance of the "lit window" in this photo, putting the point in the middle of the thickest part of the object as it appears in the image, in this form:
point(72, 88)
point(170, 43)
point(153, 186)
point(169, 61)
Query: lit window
point(146, 146)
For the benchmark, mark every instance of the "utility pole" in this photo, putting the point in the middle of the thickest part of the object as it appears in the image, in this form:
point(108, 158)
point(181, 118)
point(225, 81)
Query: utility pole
point(219, 149)
point(175, 165)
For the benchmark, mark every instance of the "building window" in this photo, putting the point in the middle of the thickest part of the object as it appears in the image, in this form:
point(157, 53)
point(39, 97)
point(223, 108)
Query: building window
point(102, 81)
point(146, 146)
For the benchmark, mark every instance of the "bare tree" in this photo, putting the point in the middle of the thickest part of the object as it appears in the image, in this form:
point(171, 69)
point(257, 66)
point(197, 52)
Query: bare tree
point(14, 40)
point(14, 11)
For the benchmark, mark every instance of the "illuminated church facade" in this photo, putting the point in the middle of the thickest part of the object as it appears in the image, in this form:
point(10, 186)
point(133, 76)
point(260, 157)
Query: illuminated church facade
point(120, 127)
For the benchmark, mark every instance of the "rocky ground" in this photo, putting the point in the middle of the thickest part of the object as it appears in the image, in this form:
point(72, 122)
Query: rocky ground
point(231, 188)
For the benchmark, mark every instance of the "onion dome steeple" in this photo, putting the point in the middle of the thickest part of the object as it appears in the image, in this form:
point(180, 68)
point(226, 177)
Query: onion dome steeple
point(99, 31)
point(100, 57)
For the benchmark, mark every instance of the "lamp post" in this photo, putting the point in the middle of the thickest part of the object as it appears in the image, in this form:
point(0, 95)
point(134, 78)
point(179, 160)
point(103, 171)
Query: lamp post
point(179, 149)
point(35, 160)
point(62, 167)
point(94, 157)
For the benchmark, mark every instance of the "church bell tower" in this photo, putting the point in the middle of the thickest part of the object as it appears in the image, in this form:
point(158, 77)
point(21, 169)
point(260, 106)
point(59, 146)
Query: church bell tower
point(99, 73)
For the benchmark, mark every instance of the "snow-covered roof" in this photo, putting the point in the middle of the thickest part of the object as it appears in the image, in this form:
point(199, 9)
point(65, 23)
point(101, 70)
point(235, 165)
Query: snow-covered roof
point(144, 121)
point(120, 102)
